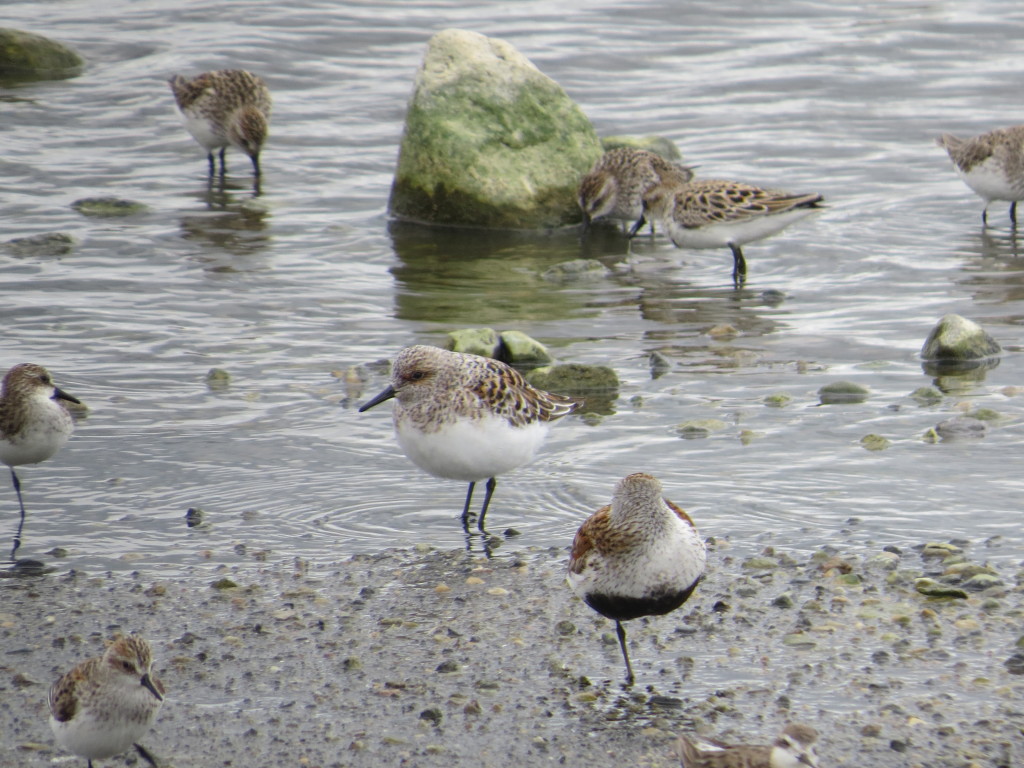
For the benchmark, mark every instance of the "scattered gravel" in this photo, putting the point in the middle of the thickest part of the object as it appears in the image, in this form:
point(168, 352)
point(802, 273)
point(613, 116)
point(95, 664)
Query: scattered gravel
point(428, 658)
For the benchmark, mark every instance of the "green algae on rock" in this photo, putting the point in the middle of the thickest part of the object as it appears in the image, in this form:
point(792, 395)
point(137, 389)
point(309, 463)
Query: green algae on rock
point(26, 56)
point(489, 140)
point(874, 442)
point(473, 341)
point(108, 206)
point(955, 339)
point(574, 378)
point(512, 347)
point(519, 349)
point(41, 245)
point(842, 392)
point(576, 270)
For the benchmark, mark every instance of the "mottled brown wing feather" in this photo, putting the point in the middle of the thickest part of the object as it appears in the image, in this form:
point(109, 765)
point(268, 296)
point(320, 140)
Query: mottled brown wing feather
point(711, 201)
point(679, 511)
point(585, 538)
point(517, 401)
point(63, 693)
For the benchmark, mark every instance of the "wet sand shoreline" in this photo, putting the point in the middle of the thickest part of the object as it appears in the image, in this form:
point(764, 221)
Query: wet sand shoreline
point(445, 658)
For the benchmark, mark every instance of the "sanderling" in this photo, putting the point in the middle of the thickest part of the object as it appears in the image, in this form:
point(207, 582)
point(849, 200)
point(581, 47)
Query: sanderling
point(713, 213)
point(33, 424)
point(466, 417)
point(615, 186)
point(105, 704)
point(639, 556)
point(225, 107)
point(793, 749)
point(991, 164)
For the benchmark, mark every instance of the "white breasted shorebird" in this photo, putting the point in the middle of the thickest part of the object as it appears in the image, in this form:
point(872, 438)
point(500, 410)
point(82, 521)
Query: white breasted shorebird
point(226, 107)
point(34, 425)
point(615, 186)
point(794, 748)
point(104, 705)
point(711, 213)
point(466, 417)
point(991, 164)
point(639, 556)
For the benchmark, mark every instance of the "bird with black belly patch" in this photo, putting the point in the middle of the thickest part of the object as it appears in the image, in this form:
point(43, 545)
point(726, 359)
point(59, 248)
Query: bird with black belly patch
point(639, 556)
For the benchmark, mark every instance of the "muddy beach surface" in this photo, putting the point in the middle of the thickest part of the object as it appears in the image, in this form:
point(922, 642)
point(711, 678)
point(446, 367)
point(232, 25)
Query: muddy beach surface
point(422, 657)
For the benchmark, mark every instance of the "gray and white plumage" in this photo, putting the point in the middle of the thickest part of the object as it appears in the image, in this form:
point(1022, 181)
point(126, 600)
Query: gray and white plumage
point(225, 107)
point(991, 164)
point(34, 424)
point(104, 705)
point(467, 417)
point(641, 555)
point(714, 213)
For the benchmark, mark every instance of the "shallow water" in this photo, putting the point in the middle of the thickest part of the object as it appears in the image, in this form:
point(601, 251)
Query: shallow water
point(288, 291)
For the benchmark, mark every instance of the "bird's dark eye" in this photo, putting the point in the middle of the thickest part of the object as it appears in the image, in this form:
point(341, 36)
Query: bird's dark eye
point(128, 667)
point(417, 376)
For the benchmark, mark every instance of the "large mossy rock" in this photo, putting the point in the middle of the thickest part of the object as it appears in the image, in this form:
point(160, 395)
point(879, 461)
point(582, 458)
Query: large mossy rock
point(25, 56)
point(956, 339)
point(489, 140)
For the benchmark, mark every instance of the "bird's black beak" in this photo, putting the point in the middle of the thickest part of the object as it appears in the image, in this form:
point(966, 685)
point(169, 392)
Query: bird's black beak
point(60, 394)
point(147, 681)
point(387, 394)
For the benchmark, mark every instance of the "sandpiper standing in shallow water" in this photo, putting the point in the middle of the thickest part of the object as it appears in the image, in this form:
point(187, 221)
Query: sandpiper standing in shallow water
point(639, 556)
point(106, 704)
point(991, 164)
point(793, 749)
point(33, 423)
point(225, 107)
point(714, 214)
point(466, 417)
point(615, 186)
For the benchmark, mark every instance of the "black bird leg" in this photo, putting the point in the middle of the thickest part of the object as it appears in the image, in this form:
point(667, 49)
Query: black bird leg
point(491, 485)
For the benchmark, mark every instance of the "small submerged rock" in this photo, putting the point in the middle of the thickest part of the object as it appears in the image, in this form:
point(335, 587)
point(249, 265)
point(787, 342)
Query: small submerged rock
point(843, 392)
point(961, 427)
point(926, 396)
point(217, 378)
point(875, 442)
point(576, 270)
point(108, 206)
point(45, 244)
point(933, 588)
point(660, 365)
point(574, 378)
point(26, 56)
point(700, 427)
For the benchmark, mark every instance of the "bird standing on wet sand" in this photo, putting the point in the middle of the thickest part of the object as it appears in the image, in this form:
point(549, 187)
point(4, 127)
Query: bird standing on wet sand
point(991, 164)
point(105, 704)
point(639, 556)
point(711, 213)
point(226, 107)
point(794, 748)
point(33, 423)
point(615, 186)
point(466, 417)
